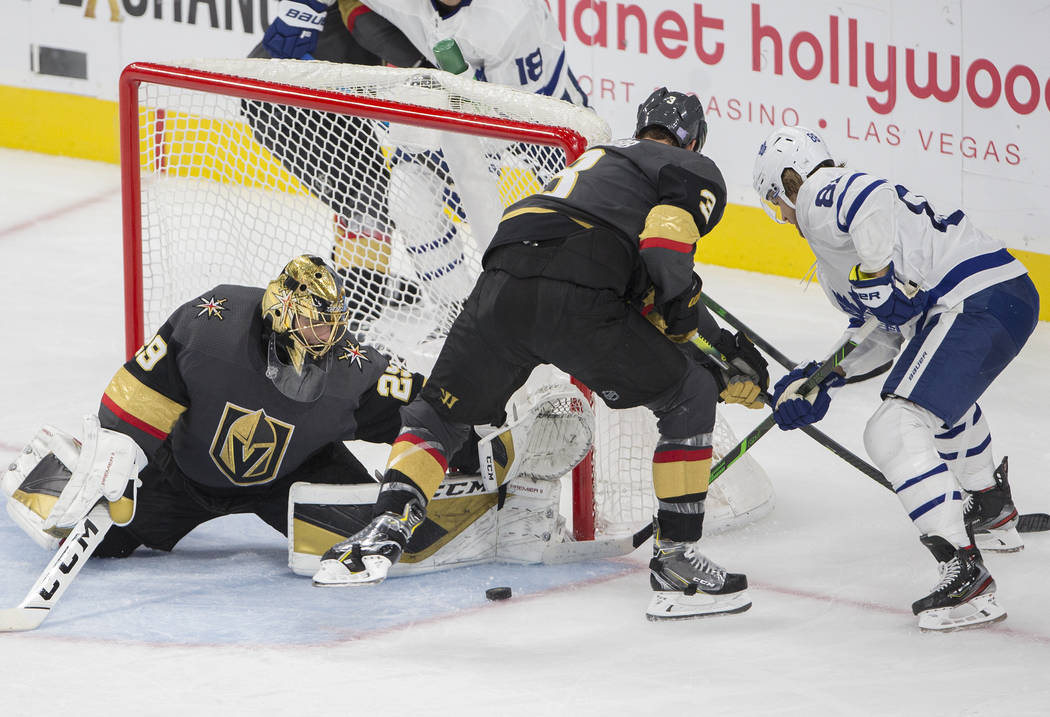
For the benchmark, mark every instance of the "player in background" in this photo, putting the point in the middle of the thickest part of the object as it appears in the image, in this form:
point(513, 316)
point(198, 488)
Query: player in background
point(595, 276)
point(242, 392)
point(963, 305)
point(510, 43)
point(507, 42)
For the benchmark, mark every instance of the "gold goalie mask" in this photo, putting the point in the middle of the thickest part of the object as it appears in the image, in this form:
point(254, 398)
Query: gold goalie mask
point(306, 309)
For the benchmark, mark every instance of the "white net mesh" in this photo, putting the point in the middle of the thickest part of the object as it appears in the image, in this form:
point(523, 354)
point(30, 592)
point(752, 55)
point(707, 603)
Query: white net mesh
point(231, 189)
point(623, 495)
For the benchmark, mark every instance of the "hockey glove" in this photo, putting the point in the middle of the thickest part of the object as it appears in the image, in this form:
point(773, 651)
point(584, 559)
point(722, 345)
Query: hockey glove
point(107, 466)
point(752, 378)
point(680, 313)
point(790, 410)
point(293, 33)
point(892, 301)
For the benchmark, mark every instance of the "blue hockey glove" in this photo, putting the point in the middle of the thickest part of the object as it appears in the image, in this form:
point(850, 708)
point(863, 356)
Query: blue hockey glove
point(790, 410)
point(293, 33)
point(891, 300)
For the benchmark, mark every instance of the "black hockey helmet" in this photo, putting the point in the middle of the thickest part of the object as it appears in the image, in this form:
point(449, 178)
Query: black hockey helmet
point(680, 114)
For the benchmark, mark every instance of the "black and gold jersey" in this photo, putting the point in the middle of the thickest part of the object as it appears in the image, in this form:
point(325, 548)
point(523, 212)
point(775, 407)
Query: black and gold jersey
point(201, 384)
point(659, 199)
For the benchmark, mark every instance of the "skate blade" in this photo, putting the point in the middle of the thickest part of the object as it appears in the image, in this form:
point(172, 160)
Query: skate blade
point(672, 605)
point(334, 574)
point(981, 611)
point(1003, 540)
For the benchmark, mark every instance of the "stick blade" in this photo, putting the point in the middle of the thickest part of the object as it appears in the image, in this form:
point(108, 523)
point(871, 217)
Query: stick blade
point(572, 551)
point(22, 619)
point(1033, 523)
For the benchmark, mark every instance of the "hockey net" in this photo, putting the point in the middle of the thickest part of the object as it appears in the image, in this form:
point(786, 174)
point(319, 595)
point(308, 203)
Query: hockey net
point(399, 176)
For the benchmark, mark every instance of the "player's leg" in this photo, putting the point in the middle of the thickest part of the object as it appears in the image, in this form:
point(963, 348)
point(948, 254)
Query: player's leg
point(967, 448)
point(479, 367)
point(628, 362)
point(940, 375)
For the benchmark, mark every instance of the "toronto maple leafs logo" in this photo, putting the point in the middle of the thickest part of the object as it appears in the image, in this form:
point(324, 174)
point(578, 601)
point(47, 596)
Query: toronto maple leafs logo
point(211, 307)
point(850, 306)
point(353, 353)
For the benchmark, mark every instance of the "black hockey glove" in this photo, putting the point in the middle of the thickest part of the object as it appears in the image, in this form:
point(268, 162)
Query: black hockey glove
point(751, 372)
point(680, 313)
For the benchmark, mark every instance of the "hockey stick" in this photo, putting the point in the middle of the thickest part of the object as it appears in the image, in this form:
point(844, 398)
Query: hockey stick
point(771, 350)
point(808, 385)
point(572, 551)
point(768, 422)
point(819, 436)
point(1026, 523)
point(59, 573)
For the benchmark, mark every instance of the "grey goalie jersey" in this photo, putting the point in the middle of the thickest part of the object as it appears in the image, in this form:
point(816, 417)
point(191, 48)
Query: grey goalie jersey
point(201, 384)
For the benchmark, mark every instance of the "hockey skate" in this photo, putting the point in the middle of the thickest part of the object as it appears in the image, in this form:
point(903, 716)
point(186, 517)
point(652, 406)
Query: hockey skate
point(688, 585)
point(965, 595)
point(366, 557)
point(993, 517)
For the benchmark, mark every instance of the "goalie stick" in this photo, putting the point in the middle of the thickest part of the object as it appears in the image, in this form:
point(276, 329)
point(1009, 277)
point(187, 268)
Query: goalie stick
point(1026, 523)
point(59, 573)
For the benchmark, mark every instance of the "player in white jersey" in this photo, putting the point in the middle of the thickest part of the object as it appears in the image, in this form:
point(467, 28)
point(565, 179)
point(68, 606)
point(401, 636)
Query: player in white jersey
point(507, 42)
point(963, 305)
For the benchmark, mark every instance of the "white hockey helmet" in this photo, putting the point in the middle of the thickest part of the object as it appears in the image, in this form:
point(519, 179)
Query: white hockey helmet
point(797, 148)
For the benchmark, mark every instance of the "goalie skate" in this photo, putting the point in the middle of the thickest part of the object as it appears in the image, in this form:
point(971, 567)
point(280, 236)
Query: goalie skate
point(965, 595)
point(366, 557)
point(688, 585)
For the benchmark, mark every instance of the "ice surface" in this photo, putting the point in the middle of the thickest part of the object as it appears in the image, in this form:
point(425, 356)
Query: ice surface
point(222, 627)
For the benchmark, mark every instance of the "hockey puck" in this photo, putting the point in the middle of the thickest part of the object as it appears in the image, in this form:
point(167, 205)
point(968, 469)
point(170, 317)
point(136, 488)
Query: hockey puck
point(497, 593)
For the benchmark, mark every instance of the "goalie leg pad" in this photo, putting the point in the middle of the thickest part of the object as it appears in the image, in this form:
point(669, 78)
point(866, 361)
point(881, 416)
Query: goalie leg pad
point(459, 529)
point(529, 520)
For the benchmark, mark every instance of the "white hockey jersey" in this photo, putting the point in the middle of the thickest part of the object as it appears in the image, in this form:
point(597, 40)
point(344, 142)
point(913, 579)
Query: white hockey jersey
point(507, 42)
point(852, 218)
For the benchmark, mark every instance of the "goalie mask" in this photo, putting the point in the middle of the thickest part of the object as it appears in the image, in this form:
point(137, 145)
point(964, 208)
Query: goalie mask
point(794, 148)
point(680, 114)
point(306, 310)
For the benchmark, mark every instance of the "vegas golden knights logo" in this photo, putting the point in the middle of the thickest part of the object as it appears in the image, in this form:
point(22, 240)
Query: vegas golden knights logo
point(249, 445)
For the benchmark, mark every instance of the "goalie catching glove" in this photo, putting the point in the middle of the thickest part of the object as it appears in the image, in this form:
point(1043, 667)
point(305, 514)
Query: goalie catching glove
point(791, 410)
point(752, 371)
point(57, 480)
